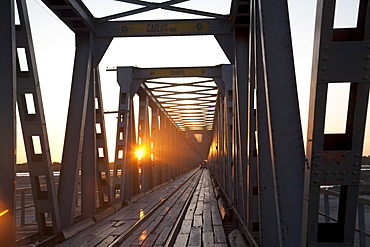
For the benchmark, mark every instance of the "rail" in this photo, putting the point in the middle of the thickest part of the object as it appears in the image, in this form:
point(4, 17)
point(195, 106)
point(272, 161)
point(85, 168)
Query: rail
point(195, 177)
point(362, 202)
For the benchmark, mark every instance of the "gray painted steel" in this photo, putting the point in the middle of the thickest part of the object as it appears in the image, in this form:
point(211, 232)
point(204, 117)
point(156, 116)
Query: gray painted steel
point(144, 144)
point(34, 131)
point(103, 168)
point(285, 133)
point(7, 122)
point(270, 226)
point(256, 154)
point(72, 150)
point(334, 159)
point(89, 156)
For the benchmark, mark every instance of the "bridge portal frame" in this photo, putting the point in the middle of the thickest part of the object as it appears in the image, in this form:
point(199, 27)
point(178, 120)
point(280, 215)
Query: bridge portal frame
point(168, 137)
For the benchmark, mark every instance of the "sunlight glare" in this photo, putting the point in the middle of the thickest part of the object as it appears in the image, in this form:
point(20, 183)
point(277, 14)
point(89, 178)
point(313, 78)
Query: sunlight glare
point(4, 212)
point(139, 154)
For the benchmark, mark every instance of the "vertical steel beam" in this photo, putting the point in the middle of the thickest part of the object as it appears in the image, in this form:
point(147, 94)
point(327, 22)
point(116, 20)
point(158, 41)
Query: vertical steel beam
point(340, 55)
point(124, 78)
point(71, 158)
point(157, 177)
point(7, 123)
point(241, 110)
point(130, 157)
point(125, 175)
point(171, 148)
point(89, 156)
point(270, 228)
point(284, 125)
point(35, 137)
point(245, 124)
point(228, 126)
point(103, 168)
point(163, 147)
point(144, 143)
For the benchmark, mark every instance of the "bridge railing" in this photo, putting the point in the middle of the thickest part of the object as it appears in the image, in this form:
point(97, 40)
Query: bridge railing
point(24, 201)
point(363, 210)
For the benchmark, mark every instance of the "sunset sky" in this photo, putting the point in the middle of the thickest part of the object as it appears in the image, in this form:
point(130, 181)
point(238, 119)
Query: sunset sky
point(54, 47)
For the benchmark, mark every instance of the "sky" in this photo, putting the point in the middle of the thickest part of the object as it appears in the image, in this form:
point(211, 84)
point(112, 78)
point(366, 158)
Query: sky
point(54, 48)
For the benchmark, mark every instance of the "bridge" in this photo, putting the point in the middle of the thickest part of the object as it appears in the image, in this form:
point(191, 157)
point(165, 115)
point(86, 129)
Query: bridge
point(204, 155)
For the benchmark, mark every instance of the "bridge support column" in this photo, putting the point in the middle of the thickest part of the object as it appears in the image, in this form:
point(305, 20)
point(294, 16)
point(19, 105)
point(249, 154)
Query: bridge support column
point(244, 95)
point(156, 162)
point(144, 144)
point(89, 156)
point(125, 175)
point(163, 147)
point(7, 123)
point(228, 132)
point(71, 158)
point(103, 167)
point(340, 56)
point(35, 137)
point(280, 142)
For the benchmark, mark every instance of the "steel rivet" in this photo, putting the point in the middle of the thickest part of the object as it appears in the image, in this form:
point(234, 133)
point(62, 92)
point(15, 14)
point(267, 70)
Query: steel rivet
point(357, 155)
point(316, 173)
point(354, 173)
point(335, 172)
point(355, 164)
point(368, 46)
point(366, 67)
point(317, 164)
point(315, 181)
point(343, 172)
point(323, 78)
point(327, 172)
point(368, 57)
point(325, 58)
point(326, 47)
point(365, 77)
point(354, 181)
point(324, 68)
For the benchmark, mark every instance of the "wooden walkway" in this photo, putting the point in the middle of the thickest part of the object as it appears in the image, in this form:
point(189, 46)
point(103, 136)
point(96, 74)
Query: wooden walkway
point(202, 225)
point(182, 213)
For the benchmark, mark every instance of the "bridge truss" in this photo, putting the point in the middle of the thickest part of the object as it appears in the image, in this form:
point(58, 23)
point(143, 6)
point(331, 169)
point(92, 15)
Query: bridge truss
point(256, 153)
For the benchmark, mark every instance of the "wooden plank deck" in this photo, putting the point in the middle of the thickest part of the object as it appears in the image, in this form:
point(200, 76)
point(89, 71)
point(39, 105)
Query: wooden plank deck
point(188, 217)
point(107, 230)
point(202, 225)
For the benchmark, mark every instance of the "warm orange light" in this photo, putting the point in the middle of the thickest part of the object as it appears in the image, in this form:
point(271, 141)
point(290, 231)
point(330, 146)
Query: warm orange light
point(4, 212)
point(142, 213)
point(139, 154)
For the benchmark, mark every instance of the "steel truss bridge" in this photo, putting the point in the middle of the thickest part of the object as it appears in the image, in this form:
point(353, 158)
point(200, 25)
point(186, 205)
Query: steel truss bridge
point(246, 115)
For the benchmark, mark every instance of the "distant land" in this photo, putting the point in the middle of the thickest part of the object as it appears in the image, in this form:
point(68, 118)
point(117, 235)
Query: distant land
point(56, 167)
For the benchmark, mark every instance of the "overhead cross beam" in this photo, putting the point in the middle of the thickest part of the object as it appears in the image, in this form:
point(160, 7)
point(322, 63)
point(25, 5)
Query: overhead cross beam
point(168, 5)
point(239, 14)
point(73, 13)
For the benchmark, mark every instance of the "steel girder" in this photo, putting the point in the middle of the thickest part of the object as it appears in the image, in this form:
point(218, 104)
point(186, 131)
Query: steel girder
point(103, 167)
point(7, 123)
point(95, 170)
point(340, 55)
point(84, 148)
point(35, 137)
point(279, 133)
point(76, 119)
point(268, 156)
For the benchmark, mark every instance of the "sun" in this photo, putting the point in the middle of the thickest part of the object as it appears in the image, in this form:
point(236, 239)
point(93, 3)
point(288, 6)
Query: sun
point(139, 153)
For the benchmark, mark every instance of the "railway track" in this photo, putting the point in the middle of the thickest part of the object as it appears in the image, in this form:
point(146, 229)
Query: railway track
point(157, 227)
